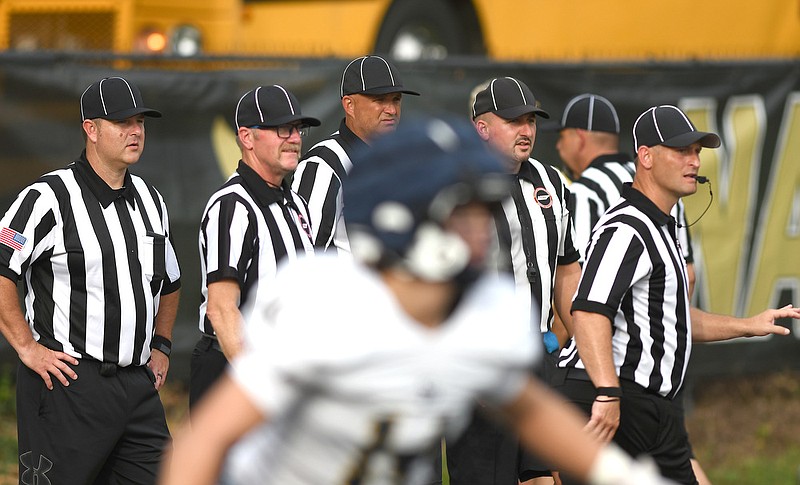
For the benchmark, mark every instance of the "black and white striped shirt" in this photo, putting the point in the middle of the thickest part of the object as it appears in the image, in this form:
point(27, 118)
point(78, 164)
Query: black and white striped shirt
point(535, 234)
point(599, 187)
point(247, 229)
point(319, 178)
point(94, 262)
point(635, 275)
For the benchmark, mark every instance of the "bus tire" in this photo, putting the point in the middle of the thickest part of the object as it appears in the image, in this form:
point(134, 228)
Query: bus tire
point(429, 29)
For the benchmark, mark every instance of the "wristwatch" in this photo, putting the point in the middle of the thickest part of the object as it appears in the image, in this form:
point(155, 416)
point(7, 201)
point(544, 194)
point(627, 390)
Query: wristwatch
point(162, 344)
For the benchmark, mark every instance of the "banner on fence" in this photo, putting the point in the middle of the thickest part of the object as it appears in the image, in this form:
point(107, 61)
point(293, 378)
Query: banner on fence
point(747, 243)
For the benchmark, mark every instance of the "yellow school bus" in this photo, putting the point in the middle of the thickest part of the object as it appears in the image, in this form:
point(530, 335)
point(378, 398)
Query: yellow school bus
point(508, 30)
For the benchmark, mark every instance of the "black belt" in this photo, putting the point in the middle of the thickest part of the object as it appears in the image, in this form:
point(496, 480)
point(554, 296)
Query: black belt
point(578, 374)
point(110, 369)
point(107, 369)
point(208, 342)
point(627, 385)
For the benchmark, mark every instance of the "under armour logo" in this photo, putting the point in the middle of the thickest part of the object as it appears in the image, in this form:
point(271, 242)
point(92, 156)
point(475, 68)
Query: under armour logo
point(35, 475)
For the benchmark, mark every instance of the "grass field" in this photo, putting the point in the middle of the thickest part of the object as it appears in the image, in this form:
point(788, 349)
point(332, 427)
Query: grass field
point(745, 431)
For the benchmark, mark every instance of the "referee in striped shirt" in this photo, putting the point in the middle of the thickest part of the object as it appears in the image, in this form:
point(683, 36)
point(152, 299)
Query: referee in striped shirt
point(588, 144)
point(251, 224)
point(634, 327)
point(536, 239)
point(372, 96)
point(91, 244)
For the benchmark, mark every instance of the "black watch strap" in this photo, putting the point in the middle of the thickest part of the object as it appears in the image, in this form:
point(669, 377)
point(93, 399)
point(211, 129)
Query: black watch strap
point(162, 344)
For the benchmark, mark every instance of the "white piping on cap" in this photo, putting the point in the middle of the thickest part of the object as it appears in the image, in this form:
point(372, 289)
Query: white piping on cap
point(258, 105)
point(288, 99)
point(344, 73)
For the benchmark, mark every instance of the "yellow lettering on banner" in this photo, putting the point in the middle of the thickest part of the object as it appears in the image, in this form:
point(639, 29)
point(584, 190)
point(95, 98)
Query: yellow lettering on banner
point(775, 264)
point(226, 150)
point(722, 237)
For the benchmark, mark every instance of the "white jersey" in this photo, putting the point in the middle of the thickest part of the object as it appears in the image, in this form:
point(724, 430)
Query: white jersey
point(358, 392)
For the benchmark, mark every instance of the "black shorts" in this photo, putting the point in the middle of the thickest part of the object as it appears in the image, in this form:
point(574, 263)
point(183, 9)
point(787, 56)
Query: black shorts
point(207, 365)
point(649, 424)
point(104, 428)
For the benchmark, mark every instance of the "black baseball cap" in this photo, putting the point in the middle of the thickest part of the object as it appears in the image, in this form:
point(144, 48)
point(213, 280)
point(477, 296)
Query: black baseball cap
point(590, 112)
point(669, 126)
point(508, 98)
point(372, 75)
point(113, 98)
point(270, 106)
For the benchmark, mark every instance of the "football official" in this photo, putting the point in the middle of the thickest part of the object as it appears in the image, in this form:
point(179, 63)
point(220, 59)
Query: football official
point(634, 327)
point(372, 97)
point(588, 144)
point(91, 244)
point(252, 223)
point(362, 395)
point(535, 234)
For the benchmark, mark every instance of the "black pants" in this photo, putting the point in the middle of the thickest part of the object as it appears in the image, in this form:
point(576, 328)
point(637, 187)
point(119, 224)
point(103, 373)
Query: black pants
point(102, 429)
point(649, 424)
point(208, 364)
point(487, 453)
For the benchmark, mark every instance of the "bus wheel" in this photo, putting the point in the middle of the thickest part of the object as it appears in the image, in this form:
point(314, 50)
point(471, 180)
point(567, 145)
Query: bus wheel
point(429, 29)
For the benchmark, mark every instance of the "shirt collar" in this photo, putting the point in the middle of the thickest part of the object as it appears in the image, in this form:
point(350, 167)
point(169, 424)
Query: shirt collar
point(641, 202)
point(101, 190)
point(351, 141)
point(264, 193)
point(526, 171)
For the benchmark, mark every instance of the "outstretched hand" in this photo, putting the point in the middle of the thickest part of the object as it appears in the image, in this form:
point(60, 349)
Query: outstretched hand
point(45, 362)
point(764, 323)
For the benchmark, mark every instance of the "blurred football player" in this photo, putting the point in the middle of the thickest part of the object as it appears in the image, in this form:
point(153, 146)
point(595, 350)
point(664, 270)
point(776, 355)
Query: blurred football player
point(359, 367)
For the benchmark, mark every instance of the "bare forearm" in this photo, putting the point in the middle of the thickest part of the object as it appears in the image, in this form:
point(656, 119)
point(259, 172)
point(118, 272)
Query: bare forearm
point(711, 327)
point(567, 278)
point(223, 312)
point(12, 321)
point(593, 338)
point(691, 276)
point(167, 312)
point(560, 330)
point(228, 327)
point(45, 362)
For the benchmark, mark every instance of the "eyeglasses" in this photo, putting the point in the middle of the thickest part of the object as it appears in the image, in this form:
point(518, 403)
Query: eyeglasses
point(285, 131)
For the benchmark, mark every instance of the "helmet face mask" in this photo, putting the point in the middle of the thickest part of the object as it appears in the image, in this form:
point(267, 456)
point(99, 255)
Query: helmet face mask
point(433, 254)
point(404, 188)
point(436, 254)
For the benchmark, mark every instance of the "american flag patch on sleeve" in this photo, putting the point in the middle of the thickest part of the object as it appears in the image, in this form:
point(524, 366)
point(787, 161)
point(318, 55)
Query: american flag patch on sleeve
point(12, 238)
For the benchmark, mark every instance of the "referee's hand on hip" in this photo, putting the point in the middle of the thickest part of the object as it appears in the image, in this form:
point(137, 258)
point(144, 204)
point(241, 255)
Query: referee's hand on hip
point(44, 362)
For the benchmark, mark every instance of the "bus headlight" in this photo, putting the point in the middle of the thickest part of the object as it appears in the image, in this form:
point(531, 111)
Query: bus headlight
point(186, 41)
